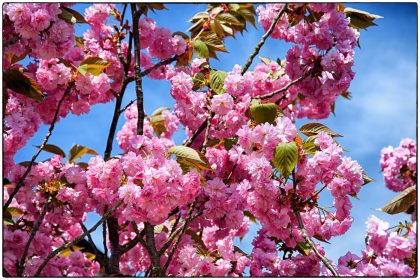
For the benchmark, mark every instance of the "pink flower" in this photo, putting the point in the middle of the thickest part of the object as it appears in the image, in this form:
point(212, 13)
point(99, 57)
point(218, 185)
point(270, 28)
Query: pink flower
point(222, 104)
point(343, 206)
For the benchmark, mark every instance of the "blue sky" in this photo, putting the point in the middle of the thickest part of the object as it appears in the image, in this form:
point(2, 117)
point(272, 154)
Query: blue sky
point(381, 112)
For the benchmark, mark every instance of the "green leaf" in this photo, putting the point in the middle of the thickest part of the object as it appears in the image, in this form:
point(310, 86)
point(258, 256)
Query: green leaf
point(234, 7)
point(366, 179)
point(309, 145)
point(15, 58)
point(229, 142)
point(53, 149)
point(13, 211)
point(93, 65)
point(262, 113)
point(360, 19)
point(90, 256)
point(80, 42)
point(401, 202)
point(157, 121)
point(251, 217)
point(303, 247)
point(229, 18)
point(20, 83)
point(182, 34)
point(217, 79)
point(159, 111)
point(265, 60)
point(311, 129)
point(285, 158)
point(217, 28)
point(78, 151)
point(68, 251)
point(160, 228)
point(199, 80)
point(66, 63)
point(198, 16)
point(354, 195)
point(190, 157)
point(71, 16)
point(200, 48)
point(346, 95)
point(198, 240)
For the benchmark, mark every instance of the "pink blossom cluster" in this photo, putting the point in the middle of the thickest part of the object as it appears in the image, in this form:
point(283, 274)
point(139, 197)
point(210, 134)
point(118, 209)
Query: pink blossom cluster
point(385, 254)
point(241, 184)
point(36, 29)
point(267, 263)
point(67, 183)
point(323, 46)
point(399, 165)
point(159, 41)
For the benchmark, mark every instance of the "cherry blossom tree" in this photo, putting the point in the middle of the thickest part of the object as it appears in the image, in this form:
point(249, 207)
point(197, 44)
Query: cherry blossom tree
point(175, 210)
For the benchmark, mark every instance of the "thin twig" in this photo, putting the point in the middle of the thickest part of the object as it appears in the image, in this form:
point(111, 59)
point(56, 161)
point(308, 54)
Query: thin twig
point(20, 267)
point(262, 41)
point(313, 246)
point(315, 194)
point(89, 238)
point(308, 240)
point(114, 240)
point(115, 118)
point(171, 238)
point(104, 227)
point(128, 105)
point(118, 45)
point(139, 238)
point(41, 147)
point(286, 87)
point(206, 136)
point(137, 69)
point(77, 239)
point(195, 134)
point(157, 65)
point(183, 229)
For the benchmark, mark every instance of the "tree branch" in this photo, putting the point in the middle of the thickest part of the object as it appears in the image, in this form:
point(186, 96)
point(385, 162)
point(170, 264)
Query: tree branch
point(315, 194)
point(137, 69)
point(139, 238)
point(34, 157)
point(183, 229)
point(313, 246)
point(286, 87)
point(151, 249)
point(115, 118)
point(262, 40)
point(305, 236)
point(77, 239)
point(21, 264)
point(196, 133)
point(206, 136)
point(157, 65)
point(104, 227)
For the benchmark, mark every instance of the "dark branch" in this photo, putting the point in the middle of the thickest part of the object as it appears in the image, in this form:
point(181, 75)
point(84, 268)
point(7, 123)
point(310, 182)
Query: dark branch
point(196, 133)
point(157, 65)
point(206, 136)
point(262, 41)
point(313, 246)
point(34, 157)
point(286, 87)
point(137, 69)
point(21, 265)
point(76, 240)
